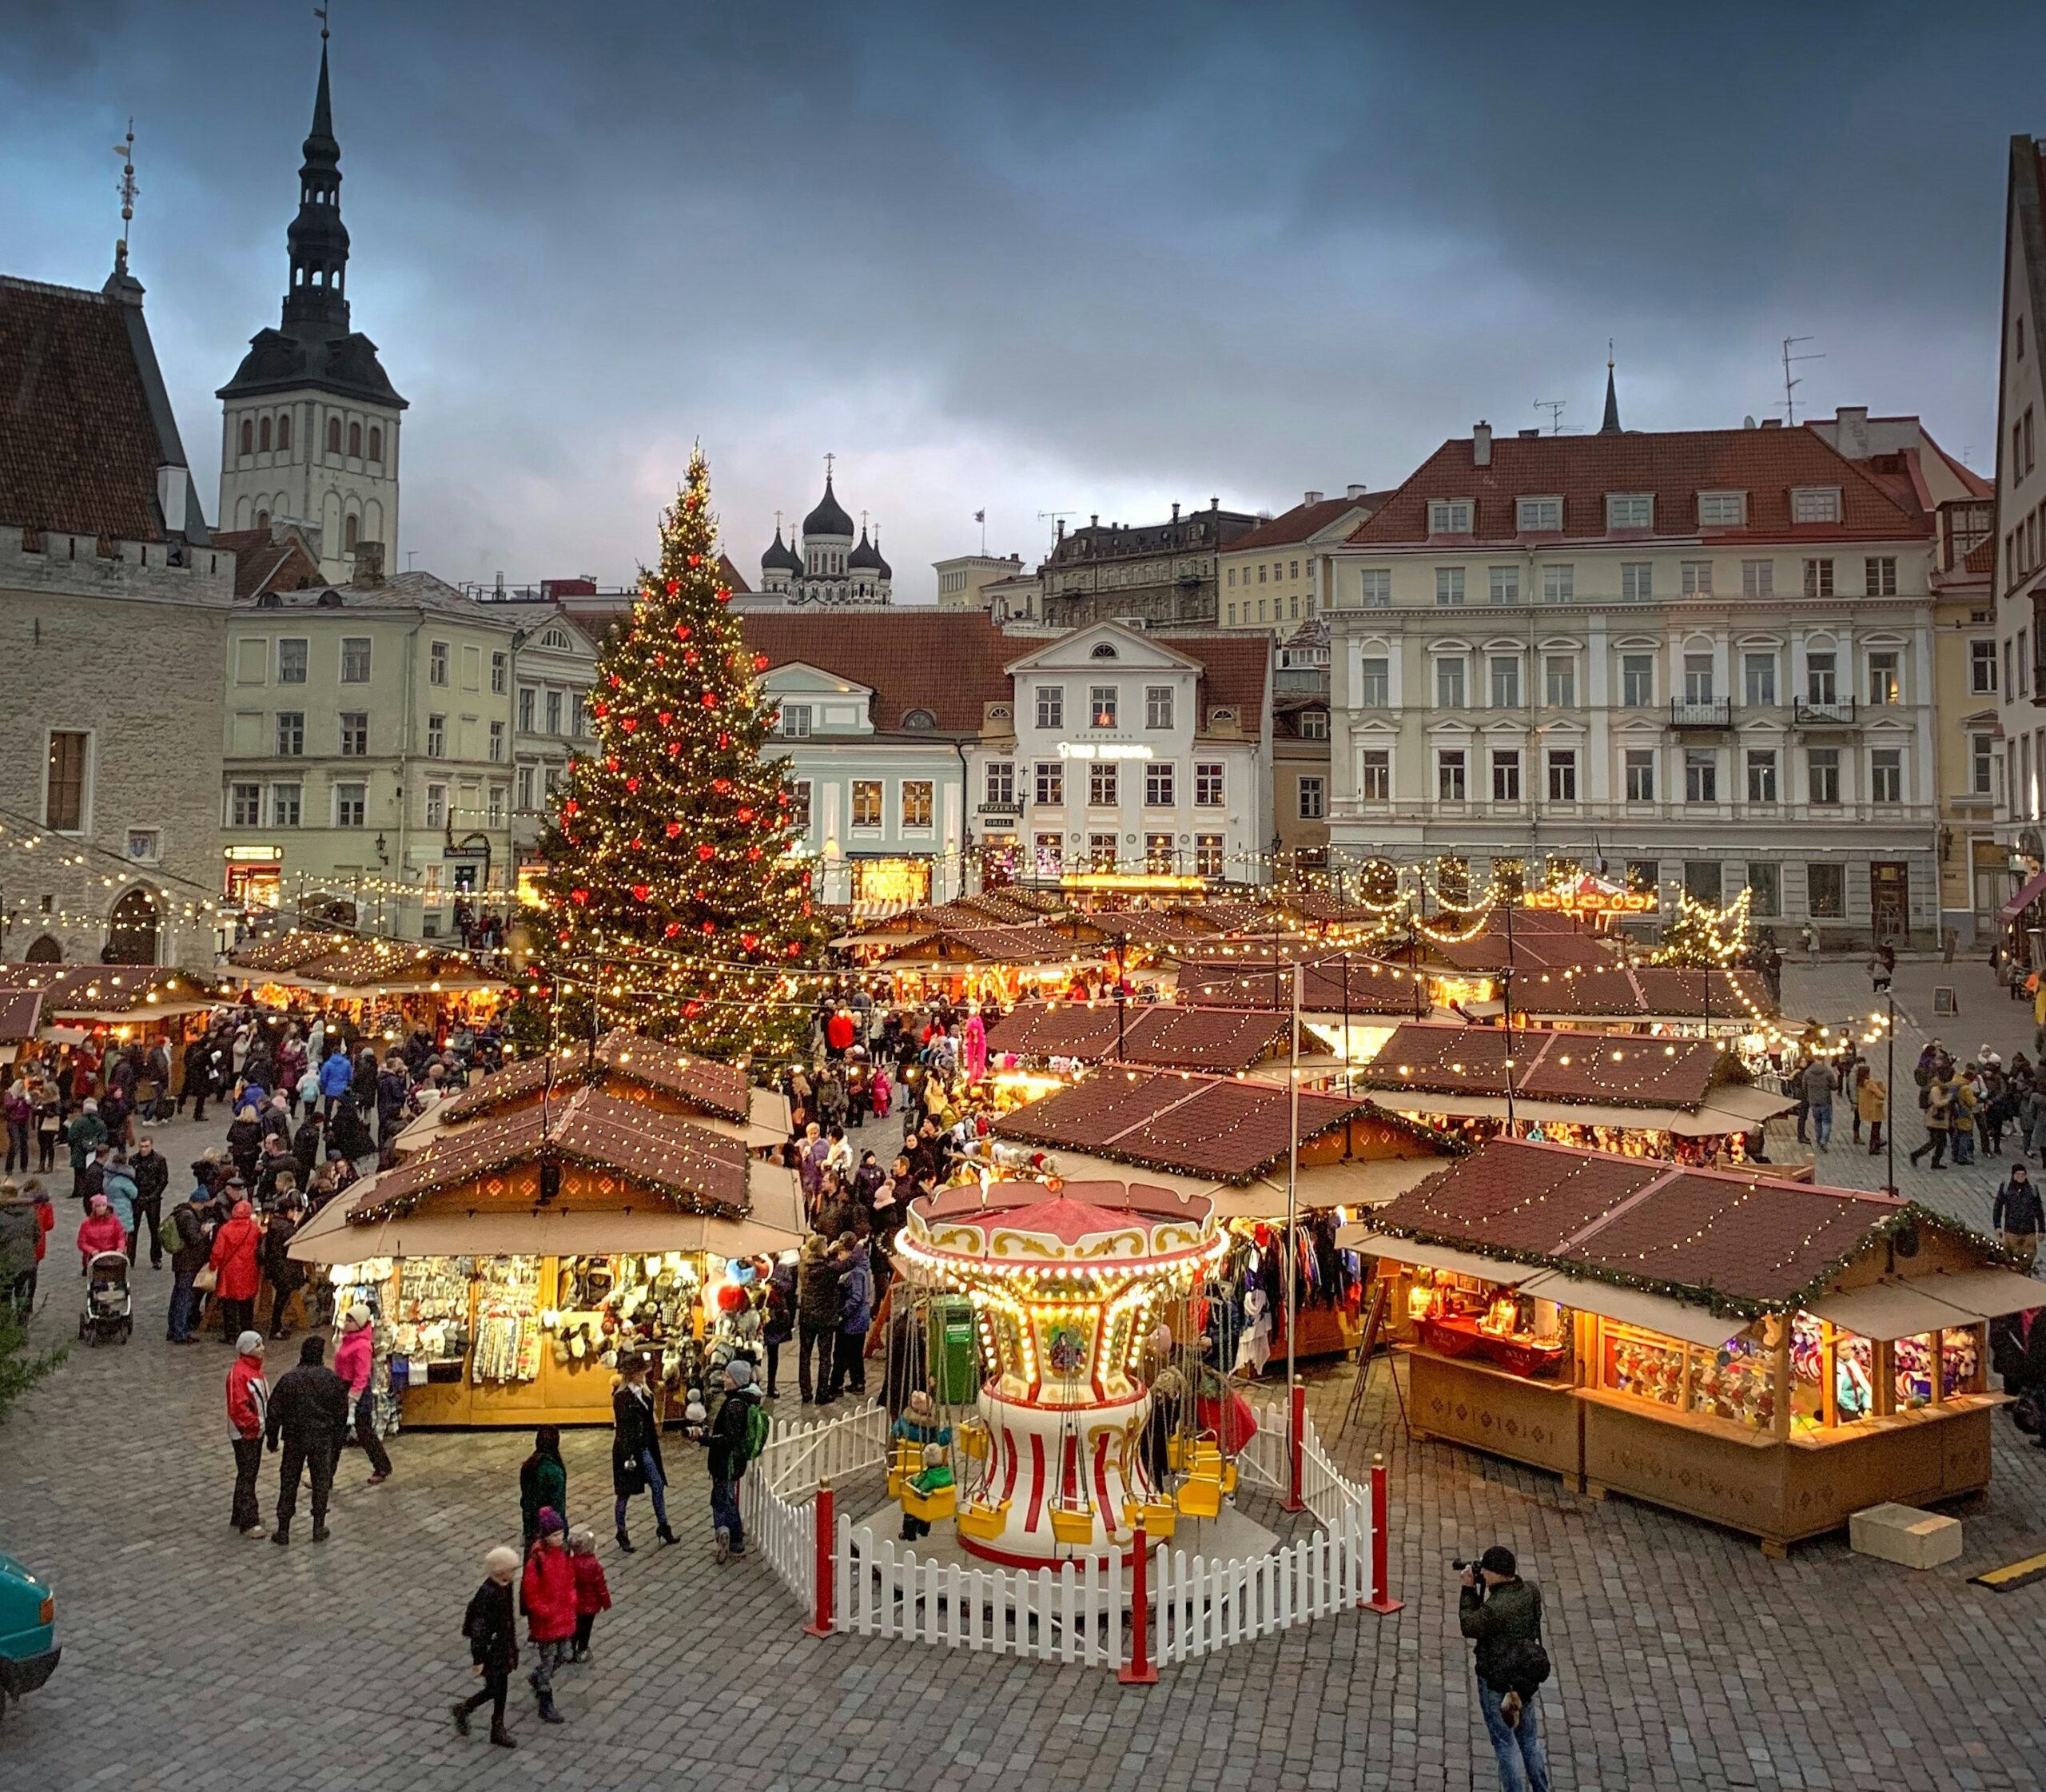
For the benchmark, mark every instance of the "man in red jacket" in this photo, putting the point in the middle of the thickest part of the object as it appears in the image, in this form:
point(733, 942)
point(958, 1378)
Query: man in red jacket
point(547, 1593)
point(248, 1411)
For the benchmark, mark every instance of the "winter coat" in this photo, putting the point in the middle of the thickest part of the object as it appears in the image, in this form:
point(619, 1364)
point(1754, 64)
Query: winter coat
point(592, 1590)
point(856, 1292)
point(336, 1075)
point(778, 1320)
point(1511, 1612)
point(392, 1089)
point(151, 1170)
point(547, 1593)
point(309, 1405)
point(248, 1395)
point(193, 1218)
point(492, 1628)
point(234, 1256)
point(86, 1134)
point(308, 1147)
point(245, 1138)
point(118, 1186)
point(354, 1356)
point(1816, 1084)
point(634, 1432)
point(105, 1234)
point(542, 1482)
point(817, 1296)
point(727, 1461)
point(2018, 1208)
point(1871, 1100)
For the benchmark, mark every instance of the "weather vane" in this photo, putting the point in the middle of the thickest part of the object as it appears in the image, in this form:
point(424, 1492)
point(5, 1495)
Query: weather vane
point(319, 12)
point(126, 152)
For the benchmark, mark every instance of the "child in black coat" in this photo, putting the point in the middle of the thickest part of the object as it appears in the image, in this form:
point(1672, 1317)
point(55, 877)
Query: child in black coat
point(491, 1624)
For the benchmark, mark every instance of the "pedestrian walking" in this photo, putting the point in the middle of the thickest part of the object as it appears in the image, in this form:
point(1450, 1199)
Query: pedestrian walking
point(1871, 1107)
point(20, 1112)
point(1817, 1084)
point(248, 1399)
point(1501, 1615)
point(99, 1231)
point(2018, 1216)
point(492, 1627)
point(732, 1445)
point(84, 1135)
point(189, 1234)
point(236, 1268)
point(1937, 1111)
point(355, 1361)
point(542, 1482)
point(151, 1174)
point(855, 1315)
point(548, 1594)
point(777, 1318)
point(285, 1275)
point(592, 1590)
point(308, 1414)
point(636, 1465)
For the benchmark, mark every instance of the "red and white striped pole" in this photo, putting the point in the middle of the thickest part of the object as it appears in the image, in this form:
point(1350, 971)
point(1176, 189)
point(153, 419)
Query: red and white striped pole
point(1140, 1670)
point(823, 1509)
point(1381, 1545)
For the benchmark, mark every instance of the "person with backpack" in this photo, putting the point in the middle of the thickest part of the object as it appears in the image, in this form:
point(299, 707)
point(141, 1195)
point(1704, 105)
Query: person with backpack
point(1501, 1615)
point(738, 1432)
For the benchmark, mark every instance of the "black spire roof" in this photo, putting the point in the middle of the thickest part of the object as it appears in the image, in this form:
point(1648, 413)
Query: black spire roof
point(316, 347)
point(830, 517)
point(1611, 425)
point(880, 565)
point(779, 558)
point(865, 557)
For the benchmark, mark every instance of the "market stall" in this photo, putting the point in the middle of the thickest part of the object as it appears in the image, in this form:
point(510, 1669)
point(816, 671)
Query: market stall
point(509, 1263)
point(1350, 1002)
point(379, 985)
point(1679, 1001)
point(44, 1005)
point(1766, 1355)
point(1163, 1036)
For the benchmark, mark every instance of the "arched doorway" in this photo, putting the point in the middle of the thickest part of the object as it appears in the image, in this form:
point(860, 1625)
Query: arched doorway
point(131, 934)
point(45, 951)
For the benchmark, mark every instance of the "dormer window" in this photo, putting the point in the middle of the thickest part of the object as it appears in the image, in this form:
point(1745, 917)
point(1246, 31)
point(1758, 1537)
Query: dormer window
point(1538, 514)
point(1103, 650)
point(1630, 510)
point(919, 719)
point(554, 638)
point(1815, 504)
point(1722, 510)
point(795, 720)
point(1449, 516)
point(1314, 724)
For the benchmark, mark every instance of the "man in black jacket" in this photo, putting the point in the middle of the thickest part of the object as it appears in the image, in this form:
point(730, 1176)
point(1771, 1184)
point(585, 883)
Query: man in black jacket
point(2018, 1215)
point(392, 1086)
point(310, 1411)
point(1502, 1614)
point(152, 1175)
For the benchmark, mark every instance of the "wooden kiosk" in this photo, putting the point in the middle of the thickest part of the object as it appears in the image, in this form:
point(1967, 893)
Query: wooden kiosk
point(1766, 1355)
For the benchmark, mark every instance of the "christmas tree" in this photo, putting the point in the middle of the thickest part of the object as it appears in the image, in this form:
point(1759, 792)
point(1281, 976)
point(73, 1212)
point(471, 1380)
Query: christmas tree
point(670, 891)
point(1698, 933)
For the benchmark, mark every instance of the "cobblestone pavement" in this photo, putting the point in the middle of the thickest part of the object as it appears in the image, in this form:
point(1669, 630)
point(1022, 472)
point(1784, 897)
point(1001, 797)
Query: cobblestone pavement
point(1685, 1661)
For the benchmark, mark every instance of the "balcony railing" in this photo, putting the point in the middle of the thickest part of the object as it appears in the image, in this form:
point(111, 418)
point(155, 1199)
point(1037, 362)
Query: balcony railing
point(1825, 711)
point(1701, 712)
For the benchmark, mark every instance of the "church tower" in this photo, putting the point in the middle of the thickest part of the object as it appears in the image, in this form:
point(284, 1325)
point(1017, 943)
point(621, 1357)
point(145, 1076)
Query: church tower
point(309, 420)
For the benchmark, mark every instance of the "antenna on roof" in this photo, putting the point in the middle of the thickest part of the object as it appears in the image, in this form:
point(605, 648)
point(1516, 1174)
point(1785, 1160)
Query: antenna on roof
point(1789, 385)
point(1554, 407)
point(128, 189)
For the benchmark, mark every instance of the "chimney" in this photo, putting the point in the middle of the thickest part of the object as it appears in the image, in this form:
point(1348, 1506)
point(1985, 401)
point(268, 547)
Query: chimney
point(1354, 491)
point(1772, 423)
point(172, 484)
point(1528, 435)
point(1176, 513)
point(1481, 444)
point(1851, 436)
point(1311, 498)
point(369, 564)
point(1094, 521)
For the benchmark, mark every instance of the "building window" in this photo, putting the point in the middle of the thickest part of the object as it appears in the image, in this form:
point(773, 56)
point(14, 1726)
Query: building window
point(1101, 852)
point(494, 806)
point(245, 805)
point(292, 656)
point(799, 806)
point(1051, 783)
point(1449, 682)
point(1451, 783)
point(1562, 774)
point(1449, 587)
point(1982, 667)
point(1637, 679)
point(1879, 574)
point(1697, 577)
point(1886, 775)
point(1158, 783)
point(1374, 774)
point(1314, 724)
point(1001, 784)
point(1207, 785)
point(795, 717)
point(1884, 686)
point(1702, 881)
point(1538, 515)
point(1818, 578)
point(1158, 706)
point(1101, 703)
point(1822, 774)
point(1825, 891)
point(1048, 854)
point(528, 699)
point(1312, 804)
point(1232, 611)
point(436, 736)
point(500, 672)
point(351, 531)
point(1559, 680)
point(1643, 876)
point(866, 802)
point(1505, 583)
point(1630, 510)
point(1103, 784)
point(1815, 504)
point(1762, 774)
point(333, 434)
point(355, 733)
point(1506, 775)
point(436, 663)
point(554, 714)
point(1765, 887)
point(291, 734)
point(1758, 679)
point(247, 436)
point(1821, 678)
point(375, 443)
point(355, 660)
point(287, 803)
point(350, 805)
point(497, 743)
point(436, 804)
point(1722, 510)
point(1697, 678)
point(1636, 580)
point(1505, 668)
point(1375, 684)
point(1051, 706)
point(1207, 854)
point(1261, 605)
point(1640, 775)
point(1700, 775)
point(525, 788)
point(1377, 587)
point(1757, 577)
point(916, 802)
point(1450, 516)
point(1981, 752)
point(66, 781)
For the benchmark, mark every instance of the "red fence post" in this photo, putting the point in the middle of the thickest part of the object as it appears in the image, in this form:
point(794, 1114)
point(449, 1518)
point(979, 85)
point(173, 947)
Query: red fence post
point(1296, 1421)
point(1140, 1670)
point(1381, 1545)
point(823, 1511)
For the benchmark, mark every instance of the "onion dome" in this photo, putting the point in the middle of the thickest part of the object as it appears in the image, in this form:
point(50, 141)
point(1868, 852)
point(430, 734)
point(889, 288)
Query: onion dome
point(780, 559)
point(880, 565)
point(830, 517)
point(865, 558)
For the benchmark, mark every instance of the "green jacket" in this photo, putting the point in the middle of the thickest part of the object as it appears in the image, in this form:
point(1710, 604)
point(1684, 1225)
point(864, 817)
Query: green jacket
point(1511, 1612)
point(543, 1481)
point(86, 1134)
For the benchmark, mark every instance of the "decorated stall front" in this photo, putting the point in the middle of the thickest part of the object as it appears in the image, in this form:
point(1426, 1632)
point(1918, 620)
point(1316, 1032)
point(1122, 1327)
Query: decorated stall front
point(44, 1006)
point(373, 982)
point(510, 1264)
point(1350, 1002)
point(1680, 1001)
point(1769, 1356)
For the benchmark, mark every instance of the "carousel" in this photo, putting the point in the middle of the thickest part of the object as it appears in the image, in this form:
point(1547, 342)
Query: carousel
point(1085, 1420)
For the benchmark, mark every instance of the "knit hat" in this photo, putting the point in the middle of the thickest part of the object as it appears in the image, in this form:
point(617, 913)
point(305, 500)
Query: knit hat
point(501, 1561)
point(250, 1343)
point(739, 1372)
point(313, 1349)
point(550, 1520)
point(1498, 1560)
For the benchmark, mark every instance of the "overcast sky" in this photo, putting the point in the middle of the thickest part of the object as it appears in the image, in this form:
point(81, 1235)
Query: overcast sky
point(1030, 258)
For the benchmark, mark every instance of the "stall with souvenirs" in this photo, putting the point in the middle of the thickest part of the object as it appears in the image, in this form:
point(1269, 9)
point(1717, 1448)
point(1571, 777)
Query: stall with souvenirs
point(45, 1008)
point(383, 987)
point(509, 1263)
point(1766, 1355)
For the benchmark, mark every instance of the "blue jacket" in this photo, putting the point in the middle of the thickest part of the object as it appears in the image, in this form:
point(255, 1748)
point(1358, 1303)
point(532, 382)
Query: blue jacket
point(337, 1074)
point(118, 1186)
point(856, 1293)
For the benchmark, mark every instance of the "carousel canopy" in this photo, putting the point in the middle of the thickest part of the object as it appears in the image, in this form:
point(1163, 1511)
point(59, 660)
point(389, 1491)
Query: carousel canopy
point(1222, 1039)
point(1103, 1227)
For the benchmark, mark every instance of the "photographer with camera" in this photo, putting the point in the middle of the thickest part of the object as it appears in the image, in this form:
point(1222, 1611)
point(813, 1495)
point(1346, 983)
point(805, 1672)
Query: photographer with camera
point(1502, 1614)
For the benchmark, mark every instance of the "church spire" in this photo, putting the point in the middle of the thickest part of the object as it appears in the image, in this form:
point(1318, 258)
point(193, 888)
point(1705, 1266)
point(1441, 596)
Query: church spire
point(317, 301)
point(1611, 425)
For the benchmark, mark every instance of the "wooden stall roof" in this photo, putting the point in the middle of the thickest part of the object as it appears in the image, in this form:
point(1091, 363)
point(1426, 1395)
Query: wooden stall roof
point(1613, 1069)
point(313, 959)
point(1031, 945)
point(700, 1170)
point(1226, 1128)
point(717, 1089)
point(1621, 992)
point(34, 995)
point(1371, 987)
point(994, 908)
point(1541, 941)
point(1728, 1239)
point(1220, 1039)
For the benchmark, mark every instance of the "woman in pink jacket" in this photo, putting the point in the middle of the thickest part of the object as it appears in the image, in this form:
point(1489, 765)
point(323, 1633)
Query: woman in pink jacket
point(354, 1358)
point(101, 1231)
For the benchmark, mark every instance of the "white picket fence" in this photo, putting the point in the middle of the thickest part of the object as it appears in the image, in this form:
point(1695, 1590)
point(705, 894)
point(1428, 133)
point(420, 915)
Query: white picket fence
point(777, 1493)
point(1199, 1606)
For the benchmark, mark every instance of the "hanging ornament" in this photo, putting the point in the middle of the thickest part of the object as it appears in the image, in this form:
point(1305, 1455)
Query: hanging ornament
point(672, 829)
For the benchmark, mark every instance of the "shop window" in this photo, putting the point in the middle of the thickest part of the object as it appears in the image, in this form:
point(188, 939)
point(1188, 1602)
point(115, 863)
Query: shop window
point(1207, 854)
point(1765, 888)
point(1643, 876)
point(1101, 784)
point(1825, 891)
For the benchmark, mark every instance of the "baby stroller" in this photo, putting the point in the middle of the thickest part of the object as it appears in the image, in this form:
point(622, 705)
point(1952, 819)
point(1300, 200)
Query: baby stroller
point(109, 1305)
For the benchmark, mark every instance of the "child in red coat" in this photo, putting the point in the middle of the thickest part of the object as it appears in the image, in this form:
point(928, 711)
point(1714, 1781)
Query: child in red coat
point(592, 1590)
point(547, 1592)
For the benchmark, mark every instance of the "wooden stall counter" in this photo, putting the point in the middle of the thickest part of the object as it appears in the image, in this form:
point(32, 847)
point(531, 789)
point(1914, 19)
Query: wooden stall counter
point(1470, 1401)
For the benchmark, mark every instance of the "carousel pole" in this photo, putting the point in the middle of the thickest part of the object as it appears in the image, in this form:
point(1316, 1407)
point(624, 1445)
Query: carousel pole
point(1296, 1395)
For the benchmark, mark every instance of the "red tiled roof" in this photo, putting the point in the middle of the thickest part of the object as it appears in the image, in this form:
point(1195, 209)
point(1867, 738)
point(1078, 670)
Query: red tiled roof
point(262, 564)
point(1172, 1120)
point(948, 662)
point(1613, 1069)
point(1541, 941)
point(1036, 944)
point(715, 1088)
point(1640, 992)
point(1981, 559)
point(1675, 465)
point(1303, 522)
point(78, 445)
point(1372, 986)
point(1222, 1039)
point(1235, 673)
